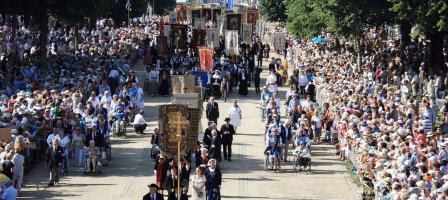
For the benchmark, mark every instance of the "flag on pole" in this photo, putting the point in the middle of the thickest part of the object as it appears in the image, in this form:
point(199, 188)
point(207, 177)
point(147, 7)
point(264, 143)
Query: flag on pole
point(229, 4)
point(128, 5)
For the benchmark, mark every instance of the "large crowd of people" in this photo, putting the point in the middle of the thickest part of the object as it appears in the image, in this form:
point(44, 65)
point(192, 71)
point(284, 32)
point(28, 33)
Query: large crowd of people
point(66, 107)
point(387, 115)
point(384, 111)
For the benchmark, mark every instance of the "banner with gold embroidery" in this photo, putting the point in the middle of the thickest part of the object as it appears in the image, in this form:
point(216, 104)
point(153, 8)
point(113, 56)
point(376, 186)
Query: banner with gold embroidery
point(178, 119)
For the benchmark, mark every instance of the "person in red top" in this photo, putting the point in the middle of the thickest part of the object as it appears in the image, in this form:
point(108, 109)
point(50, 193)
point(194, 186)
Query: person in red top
point(160, 170)
point(420, 137)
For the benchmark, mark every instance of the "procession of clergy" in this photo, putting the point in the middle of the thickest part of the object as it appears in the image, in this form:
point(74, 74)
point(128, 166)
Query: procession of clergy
point(234, 67)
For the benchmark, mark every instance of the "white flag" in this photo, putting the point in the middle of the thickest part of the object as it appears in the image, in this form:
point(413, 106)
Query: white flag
point(213, 37)
point(232, 42)
point(128, 5)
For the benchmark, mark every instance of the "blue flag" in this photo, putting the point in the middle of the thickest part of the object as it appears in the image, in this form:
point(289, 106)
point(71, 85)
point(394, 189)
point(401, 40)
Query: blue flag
point(229, 4)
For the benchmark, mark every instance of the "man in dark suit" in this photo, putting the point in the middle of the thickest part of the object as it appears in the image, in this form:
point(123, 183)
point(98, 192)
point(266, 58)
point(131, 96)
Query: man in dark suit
point(153, 194)
point(67, 126)
point(207, 140)
point(212, 110)
point(174, 195)
point(311, 90)
point(215, 146)
point(54, 160)
point(95, 136)
point(227, 131)
point(100, 110)
point(286, 135)
point(171, 181)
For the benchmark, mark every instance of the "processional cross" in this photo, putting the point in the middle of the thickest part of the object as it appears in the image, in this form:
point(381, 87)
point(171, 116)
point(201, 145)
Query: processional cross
point(176, 121)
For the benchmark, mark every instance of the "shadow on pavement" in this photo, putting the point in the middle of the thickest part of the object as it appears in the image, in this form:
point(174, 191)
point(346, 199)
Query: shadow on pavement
point(252, 179)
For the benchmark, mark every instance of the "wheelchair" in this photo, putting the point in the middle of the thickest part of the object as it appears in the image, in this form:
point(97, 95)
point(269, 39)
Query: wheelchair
point(106, 153)
point(302, 162)
point(277, 162)
point(132, 109)
point(108, 149)
point(98, 164)
point(119, 127)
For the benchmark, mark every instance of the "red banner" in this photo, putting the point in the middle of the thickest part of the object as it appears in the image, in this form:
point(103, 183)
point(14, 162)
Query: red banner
point(206, 58)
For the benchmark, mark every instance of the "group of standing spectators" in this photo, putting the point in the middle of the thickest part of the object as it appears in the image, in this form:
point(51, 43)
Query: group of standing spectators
point(386, 114)
point(58, 110)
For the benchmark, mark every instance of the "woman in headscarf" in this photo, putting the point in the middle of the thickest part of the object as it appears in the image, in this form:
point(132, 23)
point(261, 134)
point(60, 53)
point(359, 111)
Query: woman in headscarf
point(243, 77)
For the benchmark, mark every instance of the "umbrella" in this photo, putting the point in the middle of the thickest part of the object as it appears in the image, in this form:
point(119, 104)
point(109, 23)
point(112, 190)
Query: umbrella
point(318, 39)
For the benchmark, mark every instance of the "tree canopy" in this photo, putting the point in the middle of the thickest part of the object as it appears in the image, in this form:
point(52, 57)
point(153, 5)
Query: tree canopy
point(272, 10)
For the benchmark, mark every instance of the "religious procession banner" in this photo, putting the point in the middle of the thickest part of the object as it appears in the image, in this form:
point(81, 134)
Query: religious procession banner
point(199, 36)
point(195, 121)
point(216, 14)
point(193, 13)
point(173, 120)
point(222, 25)
point(192, 100)
point(247, 33)
point(201, 78)
point(233, 22)
point(260, 27)
point(231, 41)
point(182, 84)
point(279, 41)
point(178, 36)
point(162, 45)
point(206, 58)
point(207, 14)
point(167, 33)
point(213, 37)
point(181, 13)
point(251, 16)
point(198, 23)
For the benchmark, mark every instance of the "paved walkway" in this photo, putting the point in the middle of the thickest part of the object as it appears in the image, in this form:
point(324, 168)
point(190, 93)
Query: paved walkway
point(131, 168)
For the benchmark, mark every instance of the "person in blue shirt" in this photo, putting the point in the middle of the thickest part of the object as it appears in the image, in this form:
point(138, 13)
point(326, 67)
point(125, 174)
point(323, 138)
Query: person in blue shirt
point(265, 94)
point(103, 87)
point(120, 104)
point(273, 152)
point(133, 91)
point(302, 138)
point(294, 101)
point(10, 192)
point(303, 155)
point(309, 75)
point(119, 113)
point(430, 111)
point(120, 120)
point(274, 135)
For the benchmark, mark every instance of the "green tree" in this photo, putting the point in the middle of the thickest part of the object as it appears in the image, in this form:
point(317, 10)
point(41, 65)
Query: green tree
point(272, 10)
point(163, 7)
point(308, 18)
point(430, 16)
